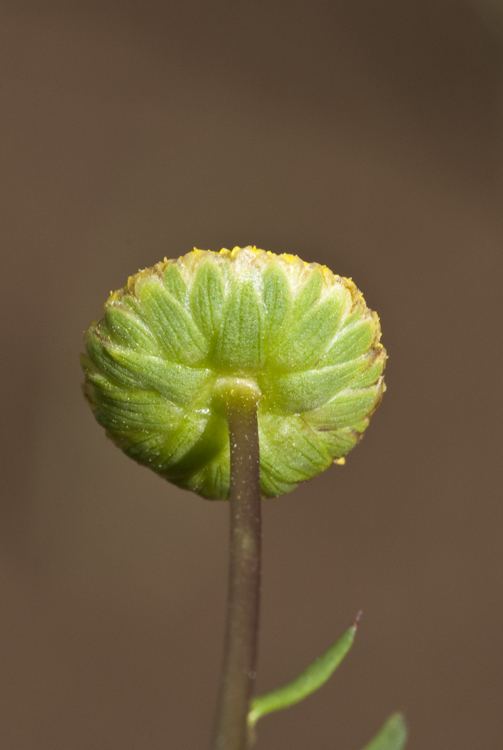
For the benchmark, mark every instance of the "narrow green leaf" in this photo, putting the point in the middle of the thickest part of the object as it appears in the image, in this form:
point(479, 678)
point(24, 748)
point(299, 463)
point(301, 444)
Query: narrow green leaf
point(175, 283)
point(346, 409)
point(172, 324)
point(309, 292)
point(392, 736)
point(278, 302)
point(298, 392)
point(207, 298)
point(339, 442)
point(178, 383)
point(239, 342)
point(289, 451)
point(352, 341)
point(305, 342)
point(306, 683)
point(129, 330)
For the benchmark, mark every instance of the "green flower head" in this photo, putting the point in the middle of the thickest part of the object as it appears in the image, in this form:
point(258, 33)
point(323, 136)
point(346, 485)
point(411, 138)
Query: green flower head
point(184, 335)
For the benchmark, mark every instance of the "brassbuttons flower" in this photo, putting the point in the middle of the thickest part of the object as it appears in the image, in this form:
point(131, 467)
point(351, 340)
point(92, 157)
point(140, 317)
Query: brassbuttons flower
point(183, 334)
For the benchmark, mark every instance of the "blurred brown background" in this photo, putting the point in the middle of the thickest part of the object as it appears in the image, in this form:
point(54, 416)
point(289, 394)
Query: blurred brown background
point(364, 135)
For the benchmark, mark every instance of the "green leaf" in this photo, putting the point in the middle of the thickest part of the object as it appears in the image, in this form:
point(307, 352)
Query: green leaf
point(171, 323)
point(310, 335)
point(207, 298)
point(346, 409)
point(178, 383)
point(129, 330)
point(298, 392)
point(289, 452)
point(278, 302)
point(239, 342)
point(309, 292)
point(392, 736)
point(339, 442)
point(175, 283)
point(351, 342)
point(306, 683)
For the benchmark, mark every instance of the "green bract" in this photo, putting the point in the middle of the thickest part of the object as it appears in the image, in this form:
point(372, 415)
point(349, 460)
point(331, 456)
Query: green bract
point(184, 335)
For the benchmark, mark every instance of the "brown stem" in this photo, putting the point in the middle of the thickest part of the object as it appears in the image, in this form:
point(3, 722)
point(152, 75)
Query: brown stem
point(240, 649)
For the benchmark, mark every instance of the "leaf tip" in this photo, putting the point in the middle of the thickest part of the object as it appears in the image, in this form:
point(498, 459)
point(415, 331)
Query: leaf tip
point(392, 736)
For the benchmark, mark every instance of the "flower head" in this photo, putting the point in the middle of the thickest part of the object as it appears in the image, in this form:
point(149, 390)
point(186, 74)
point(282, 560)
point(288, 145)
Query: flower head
point(177, 340)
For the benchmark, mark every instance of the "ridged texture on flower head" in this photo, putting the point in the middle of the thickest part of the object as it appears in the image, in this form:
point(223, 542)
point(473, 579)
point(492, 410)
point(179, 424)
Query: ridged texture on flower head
point(176, 339)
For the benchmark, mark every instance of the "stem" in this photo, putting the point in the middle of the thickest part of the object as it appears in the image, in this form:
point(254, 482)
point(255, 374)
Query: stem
point(240, 650)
